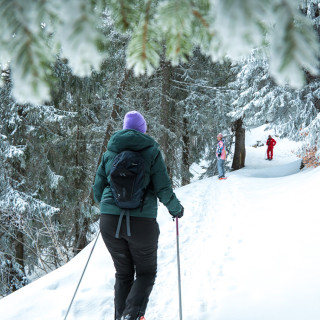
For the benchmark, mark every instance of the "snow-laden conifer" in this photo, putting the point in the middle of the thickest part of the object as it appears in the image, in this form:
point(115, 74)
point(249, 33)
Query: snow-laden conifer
point(34, 33)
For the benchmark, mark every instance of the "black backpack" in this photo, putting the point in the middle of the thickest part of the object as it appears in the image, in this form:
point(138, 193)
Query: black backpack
point(127, 182)
point(127, 179)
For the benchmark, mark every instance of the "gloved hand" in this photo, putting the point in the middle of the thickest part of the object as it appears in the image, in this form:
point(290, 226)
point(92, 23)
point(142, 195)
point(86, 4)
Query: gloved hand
point(180, 214)
point(219, 154)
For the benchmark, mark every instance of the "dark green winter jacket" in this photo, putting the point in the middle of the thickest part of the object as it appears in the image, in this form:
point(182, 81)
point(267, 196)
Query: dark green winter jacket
point(157, 180)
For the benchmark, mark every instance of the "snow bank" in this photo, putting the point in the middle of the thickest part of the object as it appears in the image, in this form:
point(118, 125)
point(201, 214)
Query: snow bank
point(249, 251)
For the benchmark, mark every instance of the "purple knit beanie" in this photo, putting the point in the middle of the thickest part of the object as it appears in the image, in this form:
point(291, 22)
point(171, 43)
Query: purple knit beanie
point(135, 120)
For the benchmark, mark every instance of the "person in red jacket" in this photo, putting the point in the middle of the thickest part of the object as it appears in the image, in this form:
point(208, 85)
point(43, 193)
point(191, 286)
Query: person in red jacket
point(270, 143)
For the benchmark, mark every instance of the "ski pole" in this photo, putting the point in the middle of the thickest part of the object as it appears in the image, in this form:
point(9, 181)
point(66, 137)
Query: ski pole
point(179, 275)
point(84, 270)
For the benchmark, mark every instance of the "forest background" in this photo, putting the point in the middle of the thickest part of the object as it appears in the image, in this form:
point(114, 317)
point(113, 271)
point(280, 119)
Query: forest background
point(67, 84)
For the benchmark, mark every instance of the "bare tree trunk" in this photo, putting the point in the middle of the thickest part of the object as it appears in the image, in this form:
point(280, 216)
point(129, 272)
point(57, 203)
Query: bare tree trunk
point(240, 150)
point(81, 222)
point(81, 230)
point(114, 115)
point(12, 277)
point(185, 154)
point(165, 108)
point(19, 250)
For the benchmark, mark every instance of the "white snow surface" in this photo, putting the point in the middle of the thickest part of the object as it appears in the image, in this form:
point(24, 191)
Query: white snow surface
point(249, 249)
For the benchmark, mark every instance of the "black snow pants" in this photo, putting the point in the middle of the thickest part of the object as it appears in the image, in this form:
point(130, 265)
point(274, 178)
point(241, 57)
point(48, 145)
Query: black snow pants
point(135, 261)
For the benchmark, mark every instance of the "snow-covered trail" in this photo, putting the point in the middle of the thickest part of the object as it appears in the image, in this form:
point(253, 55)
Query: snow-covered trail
point(248, 249)
point(205, 246)
point(248, 245)
point(245, 244)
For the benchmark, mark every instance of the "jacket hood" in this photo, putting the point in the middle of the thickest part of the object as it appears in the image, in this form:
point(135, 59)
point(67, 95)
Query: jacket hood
point(130, 140)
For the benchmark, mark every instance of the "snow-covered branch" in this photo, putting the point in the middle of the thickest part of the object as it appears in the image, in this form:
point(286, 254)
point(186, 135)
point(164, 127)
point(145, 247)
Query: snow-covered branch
point(35, 33)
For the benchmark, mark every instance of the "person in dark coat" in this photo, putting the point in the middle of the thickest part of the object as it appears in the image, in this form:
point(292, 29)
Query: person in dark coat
point(135, 255)
point(270, 143)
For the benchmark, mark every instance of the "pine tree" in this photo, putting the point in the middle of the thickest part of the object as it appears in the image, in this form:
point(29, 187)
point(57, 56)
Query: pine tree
point(204, 104)
point(259, 100)
point(25, 220)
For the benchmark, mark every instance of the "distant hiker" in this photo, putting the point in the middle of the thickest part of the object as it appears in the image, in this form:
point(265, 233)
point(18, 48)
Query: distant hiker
point(270, 143)
point(134, 250)
point(221, 156)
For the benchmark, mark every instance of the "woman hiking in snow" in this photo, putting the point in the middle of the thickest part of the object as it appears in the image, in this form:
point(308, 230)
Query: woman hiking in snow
point(270, 143)
point(134, 250)
point(221, 156)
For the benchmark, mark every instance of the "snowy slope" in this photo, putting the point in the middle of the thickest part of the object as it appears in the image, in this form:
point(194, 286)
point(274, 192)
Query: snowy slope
point(249, 251)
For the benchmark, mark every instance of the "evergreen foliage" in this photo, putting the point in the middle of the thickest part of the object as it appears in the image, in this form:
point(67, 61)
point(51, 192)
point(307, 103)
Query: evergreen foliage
point(34, 33)
point(293, 112)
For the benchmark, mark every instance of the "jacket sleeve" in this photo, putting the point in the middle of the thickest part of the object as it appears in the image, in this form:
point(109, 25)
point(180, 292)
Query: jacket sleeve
point(219, 147)
point(162, 186)
point(222, 146)
point(100, 181)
